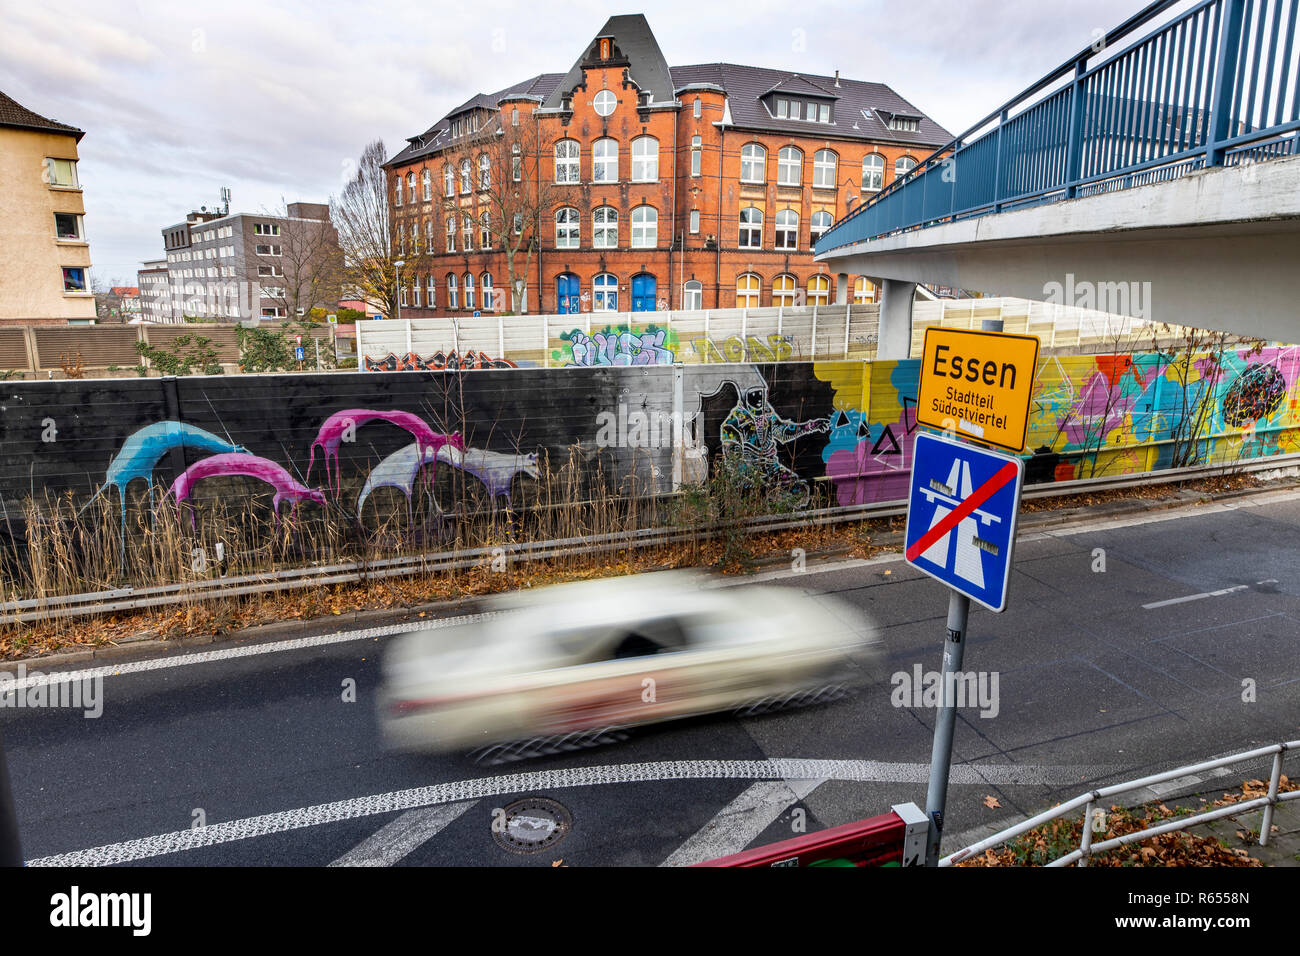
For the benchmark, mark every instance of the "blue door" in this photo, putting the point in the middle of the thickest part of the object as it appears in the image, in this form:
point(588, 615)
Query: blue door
point(566, 293)
point(644, 290)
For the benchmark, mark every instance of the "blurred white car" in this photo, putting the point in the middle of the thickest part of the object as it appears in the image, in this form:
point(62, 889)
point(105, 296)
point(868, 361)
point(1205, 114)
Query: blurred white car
point(571, 661)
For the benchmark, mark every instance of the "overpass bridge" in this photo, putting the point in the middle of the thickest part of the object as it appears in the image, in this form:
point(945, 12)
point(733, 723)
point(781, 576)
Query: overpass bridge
point(1159, 179)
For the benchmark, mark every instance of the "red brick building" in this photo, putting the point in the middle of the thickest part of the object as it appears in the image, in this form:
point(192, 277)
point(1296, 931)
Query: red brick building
point(653, 187)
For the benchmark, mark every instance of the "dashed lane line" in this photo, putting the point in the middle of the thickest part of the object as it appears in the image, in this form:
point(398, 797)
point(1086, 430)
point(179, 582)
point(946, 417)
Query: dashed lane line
point(397, 840)
point(863, 771)
point(740, 822)
point(1207, 594)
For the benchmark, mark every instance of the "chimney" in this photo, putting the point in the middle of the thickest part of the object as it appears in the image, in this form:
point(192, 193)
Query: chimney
point(837, 79)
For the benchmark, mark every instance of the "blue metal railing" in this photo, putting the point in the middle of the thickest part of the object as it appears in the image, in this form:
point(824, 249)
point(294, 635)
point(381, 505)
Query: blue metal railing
point(1218, 84)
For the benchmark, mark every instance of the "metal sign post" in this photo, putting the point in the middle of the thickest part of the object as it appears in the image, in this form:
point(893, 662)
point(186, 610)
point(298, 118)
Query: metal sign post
point(936, 796)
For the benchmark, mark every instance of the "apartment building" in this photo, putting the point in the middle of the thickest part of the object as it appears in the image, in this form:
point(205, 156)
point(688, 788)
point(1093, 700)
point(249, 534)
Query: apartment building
point(44, 255)
point(653, 187)
point(155, 292)
point(237, 266)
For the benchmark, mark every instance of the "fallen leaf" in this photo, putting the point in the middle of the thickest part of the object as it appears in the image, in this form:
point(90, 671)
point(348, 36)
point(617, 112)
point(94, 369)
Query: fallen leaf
point(992, 803)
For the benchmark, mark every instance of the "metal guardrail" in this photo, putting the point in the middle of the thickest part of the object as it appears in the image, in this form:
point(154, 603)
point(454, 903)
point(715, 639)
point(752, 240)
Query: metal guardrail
point(1215, 86)
point(1089, 800)
point(111, 600)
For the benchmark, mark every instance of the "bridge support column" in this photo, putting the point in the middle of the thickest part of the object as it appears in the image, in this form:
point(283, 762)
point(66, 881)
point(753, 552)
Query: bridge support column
point(842, 288)
point(895, 337)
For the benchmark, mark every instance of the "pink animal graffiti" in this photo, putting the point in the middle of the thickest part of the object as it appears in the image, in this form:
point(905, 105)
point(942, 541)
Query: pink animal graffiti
point(331, 435)
point(250, 466)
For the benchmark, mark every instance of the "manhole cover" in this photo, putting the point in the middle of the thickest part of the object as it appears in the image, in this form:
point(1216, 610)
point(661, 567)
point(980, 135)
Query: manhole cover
point(531, 825)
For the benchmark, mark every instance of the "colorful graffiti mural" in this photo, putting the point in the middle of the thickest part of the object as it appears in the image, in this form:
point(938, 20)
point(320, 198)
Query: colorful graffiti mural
point(287, 488)
point(618, 345)
point(342, 426)
point(752, 435)
point(750, 348)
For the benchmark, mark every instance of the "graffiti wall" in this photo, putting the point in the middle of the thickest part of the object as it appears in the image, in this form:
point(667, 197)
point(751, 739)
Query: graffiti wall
point(827, 432)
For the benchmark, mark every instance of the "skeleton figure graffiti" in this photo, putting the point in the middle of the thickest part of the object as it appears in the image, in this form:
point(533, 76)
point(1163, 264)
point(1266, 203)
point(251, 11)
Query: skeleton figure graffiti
point(751, 438)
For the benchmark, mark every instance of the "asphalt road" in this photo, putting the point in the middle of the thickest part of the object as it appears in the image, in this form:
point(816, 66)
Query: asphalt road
point(1103, 676)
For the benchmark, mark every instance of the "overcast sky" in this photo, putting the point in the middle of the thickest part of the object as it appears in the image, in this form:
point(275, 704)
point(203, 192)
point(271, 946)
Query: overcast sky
point(277, 98)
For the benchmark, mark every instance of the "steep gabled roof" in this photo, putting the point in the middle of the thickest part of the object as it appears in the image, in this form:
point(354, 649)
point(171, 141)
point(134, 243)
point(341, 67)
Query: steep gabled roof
point(798, 85)
point(634, 40)
point(15, 115)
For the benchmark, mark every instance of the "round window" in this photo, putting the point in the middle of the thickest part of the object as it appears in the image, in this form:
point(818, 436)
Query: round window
point(605, 102)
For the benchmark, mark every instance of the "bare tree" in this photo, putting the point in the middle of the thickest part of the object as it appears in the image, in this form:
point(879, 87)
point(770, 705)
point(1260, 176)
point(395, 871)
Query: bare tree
point(495, 180)
point(303, 267)
point(368, 235)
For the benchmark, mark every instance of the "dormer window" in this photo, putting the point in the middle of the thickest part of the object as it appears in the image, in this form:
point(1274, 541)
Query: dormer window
point(899, 122)
point(806, 110)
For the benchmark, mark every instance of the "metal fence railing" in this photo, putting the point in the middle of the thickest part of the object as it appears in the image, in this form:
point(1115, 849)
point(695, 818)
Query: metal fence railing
point(1090, 799)
point(1215, 85)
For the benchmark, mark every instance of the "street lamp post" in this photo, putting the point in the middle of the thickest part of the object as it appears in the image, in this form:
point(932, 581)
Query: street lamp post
point(399, 263)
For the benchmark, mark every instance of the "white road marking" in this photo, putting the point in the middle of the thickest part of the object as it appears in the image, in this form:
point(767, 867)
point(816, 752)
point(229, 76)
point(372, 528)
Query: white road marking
point(739, 823)
point(1206, 594)
point(397, 840)
point(868, 771)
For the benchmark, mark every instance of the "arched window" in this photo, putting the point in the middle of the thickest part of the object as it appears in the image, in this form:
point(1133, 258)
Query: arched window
point(864, 291)
point(604, 228)
point(485, 285)
point(751, 228)
point(415, 291)
point(448, 181)
point(820, 222)
point(903, 165)
point(645, 227)
point(566, 161)
point(819, 290)
point(451, 232)
point(604, 293)
point(410, 184)
point(753, 163)
point(430, 295)
point(824, 162)
point(604, 161)
point(426, 184)
point(464, 176)
point(748, 287)
point(469, 290)
point(415, 238)
point(566, 228)
point(873, 172)
point(785, 290)
point(452, 299)
point(693, 292)
point(485, 230)
point(787, 229)
point(397, 191)
point(428, 236)
point(789, 167)
point(467, 229)
point(484, 171)
point(645, 159)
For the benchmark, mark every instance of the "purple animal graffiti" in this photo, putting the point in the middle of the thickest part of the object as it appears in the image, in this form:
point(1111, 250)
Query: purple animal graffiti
point(250, 466)
point(339, 425)
point(496, 470)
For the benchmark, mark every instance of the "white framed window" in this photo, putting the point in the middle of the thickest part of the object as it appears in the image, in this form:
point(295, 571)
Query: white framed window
point(604, 228)
point(783, 109)
point(484, 171)
point(693, 292)
point(753, 163)
point(567, 228)
point(864, 291)
point(430, 294)
point(787, 229)
point(604, 103)
point(785, 290)
point(426, 184)
point(415, 238)
point(698, 108)
point(268, 250)
point(451, 233)
point(604, 161)
point(873, 172)
point(404, 302)
point(567, 161)
point(903, 165)
point(485, 284)
point(467, 230)
point(448, 181)
point(410, 184)
point(751, 228)
point(514, 116)
point(645, 159)
point(604, 293)
point(61, 172)
point(518, 223)
point(748, 288)
point(464, 177)
point(645, 227)
point(397, 195)
point(469, 290)
point(516, 162)
point(824, 164)
point(819, 290)
point(789, 167)
point(695, 221)
point(415, 292)
point(697, 153)
point(428, 235)
point(820, 222)
point(453, 297)
point(485, 231)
